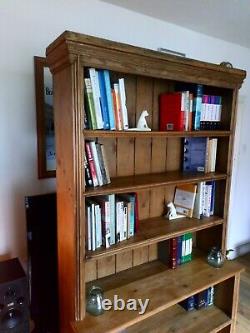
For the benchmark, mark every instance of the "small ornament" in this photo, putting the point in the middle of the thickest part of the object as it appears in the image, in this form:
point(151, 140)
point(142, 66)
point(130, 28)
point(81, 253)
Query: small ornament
point(226, 64)
point(172, 214)
point(142, 123)
point(94, 301)
point(215, 257)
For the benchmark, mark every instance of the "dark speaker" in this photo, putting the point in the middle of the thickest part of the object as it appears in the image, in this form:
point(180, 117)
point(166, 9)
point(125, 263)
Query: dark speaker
point(42, 267)
point(14, 301)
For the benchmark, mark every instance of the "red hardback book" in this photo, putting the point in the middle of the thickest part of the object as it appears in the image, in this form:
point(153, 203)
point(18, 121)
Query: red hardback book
point(91, 163)
point(173, 253)
point(172, 113)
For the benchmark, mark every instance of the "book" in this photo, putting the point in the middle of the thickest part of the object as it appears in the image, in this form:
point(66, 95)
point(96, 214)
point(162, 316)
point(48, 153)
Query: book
point(88, 178)
point(96, 162)
point(184, 199)
point(200, 300)
point(172, 111)
point(90, 106)
point(173, 253)
point(124, 111)
point(119, 219)
point(188, 303)
point(89, 229)
point(91, 163)
point(117, 106)
point(109, 99)
point(96, 97)
point(101, 163)
point(179, 250)
point(130, 200)
point(194, 155)
point(197, 106)
point(111, 198)
point(103, 100)
point(198, 208)
point(105, 162)
point(92, 223)
point(104, 204)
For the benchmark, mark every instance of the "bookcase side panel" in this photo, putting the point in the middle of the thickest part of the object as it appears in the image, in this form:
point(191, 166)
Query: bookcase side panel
point(69, 190)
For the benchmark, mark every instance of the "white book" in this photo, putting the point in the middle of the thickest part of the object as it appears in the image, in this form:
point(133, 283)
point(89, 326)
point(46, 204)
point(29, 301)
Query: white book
point(119, 220)
point(98, 222)
point(93, 227)
point(197, 212)
point(96, 96)
point(96, 162)
point(207, 201)
point(123, 103)
point(125, 222)
point(89, 235)
point(111, 198)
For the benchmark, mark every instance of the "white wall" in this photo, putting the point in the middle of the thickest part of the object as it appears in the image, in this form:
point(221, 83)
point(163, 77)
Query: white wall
point(26, 28)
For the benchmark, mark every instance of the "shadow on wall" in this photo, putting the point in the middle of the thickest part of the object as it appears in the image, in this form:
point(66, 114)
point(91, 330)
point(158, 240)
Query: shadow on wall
point(242, 249)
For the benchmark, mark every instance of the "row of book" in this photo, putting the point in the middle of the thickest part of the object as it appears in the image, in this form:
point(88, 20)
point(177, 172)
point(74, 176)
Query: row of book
point(95, 164)
point(180, 250)
point(199, 154)
point(195, 200)
point(189, 109)
point(110, 219)
point(199, 301)
point(105, 103)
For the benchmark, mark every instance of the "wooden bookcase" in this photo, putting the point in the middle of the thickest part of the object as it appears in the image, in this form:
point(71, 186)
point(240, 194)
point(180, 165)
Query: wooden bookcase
point(148, 163)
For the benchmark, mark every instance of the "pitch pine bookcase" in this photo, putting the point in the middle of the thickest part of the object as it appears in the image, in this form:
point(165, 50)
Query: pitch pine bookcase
point(148, 163)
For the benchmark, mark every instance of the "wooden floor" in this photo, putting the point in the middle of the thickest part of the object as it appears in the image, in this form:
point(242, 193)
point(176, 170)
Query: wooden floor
point(243, 325)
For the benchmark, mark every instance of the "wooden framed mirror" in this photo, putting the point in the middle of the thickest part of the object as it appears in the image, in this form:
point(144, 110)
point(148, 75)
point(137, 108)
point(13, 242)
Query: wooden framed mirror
point(45, 120)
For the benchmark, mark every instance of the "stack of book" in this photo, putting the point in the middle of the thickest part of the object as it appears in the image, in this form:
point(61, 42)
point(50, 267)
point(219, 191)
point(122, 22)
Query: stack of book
point(180, 250)
point(195, 200)
point(110, 219)
point(95, 164)
point(199, 154)
point(189, 109)
point(105, 103)
point(199, 301)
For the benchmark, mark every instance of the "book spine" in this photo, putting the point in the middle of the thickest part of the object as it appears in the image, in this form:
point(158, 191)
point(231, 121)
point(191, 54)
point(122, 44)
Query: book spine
point(89, 232)
point(190, 115)
point(88, 178)
point(103, 100)
point(197, 107)
point(109, 99)
point(105, 161)
point(96, 162)
point(101, 162)
point(173, 253)
point(136, 213)
point(179, 250)
point(129, 207)
point(200, 300)
point(90, 107)
point(112, 219)
point(93, 227)
point(96, 96)
point(183, 249)
point(125, 221)
point(119, 220)
point(118, 107)
point(91, 164)
point(98, 222)
point(124, 110)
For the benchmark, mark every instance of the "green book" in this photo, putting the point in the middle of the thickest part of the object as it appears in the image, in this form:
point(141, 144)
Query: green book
point(90, 107)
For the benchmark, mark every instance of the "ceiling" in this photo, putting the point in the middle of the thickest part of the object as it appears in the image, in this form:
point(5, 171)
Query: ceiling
point(225, 19)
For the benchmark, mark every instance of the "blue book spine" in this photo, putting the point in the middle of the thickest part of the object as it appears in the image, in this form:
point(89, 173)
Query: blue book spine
point(103, 98)
point(197, 106)
point(194, 156)
point(109, 99)
point(179, 250)
point(188, 304)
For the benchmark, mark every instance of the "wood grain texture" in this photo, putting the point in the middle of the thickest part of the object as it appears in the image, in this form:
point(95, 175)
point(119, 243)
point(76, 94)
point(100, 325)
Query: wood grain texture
point(176, 319)
point(149, 181)
point(164, 290)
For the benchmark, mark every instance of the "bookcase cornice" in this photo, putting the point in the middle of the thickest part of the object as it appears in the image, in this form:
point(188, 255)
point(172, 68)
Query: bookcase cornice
point(102, 53)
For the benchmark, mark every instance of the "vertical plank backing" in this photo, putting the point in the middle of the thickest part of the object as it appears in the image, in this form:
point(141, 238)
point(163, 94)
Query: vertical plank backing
point(106, 266)
point(235, 302)
point(144, 101)
point(90, 271)
point(125, 167)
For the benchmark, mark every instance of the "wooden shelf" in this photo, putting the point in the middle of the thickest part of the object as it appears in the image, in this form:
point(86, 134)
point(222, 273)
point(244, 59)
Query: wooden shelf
point(163, 287)
point(174, 319)
point(155, 230)
point(148, 181)
point(141, 134)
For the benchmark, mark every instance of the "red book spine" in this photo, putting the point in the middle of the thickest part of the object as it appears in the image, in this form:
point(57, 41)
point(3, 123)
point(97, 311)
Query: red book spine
point(91, 164)
point(170, 112)
point(173, 253)
point(136, 213)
